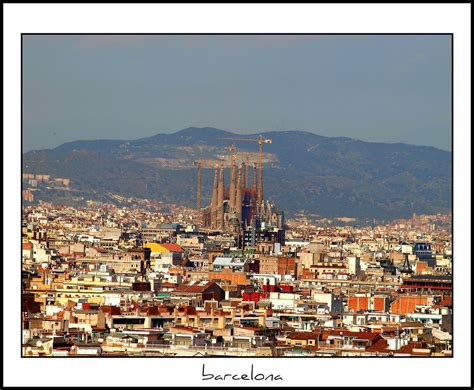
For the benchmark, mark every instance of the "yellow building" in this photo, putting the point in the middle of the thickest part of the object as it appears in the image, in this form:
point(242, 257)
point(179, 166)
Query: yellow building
point(303, 339)
point(163, 248)
point(164, 255)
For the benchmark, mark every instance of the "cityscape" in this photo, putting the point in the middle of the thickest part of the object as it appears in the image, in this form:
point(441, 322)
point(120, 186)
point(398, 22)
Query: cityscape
point(271, 195)
point(233, 278)
point(317, 224)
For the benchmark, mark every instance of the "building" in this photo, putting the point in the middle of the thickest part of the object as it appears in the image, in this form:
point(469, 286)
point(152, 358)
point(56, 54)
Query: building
point(199, 291)
point(164, 256)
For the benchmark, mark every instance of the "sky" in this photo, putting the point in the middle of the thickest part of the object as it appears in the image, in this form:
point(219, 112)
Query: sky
point(392, 88)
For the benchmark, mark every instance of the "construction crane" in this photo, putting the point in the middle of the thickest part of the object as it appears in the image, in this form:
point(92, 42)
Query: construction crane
point(261, 140)
point(199, 166)
point(232, 152)
point(232, 149)
point(232, 190)
point(246, 181)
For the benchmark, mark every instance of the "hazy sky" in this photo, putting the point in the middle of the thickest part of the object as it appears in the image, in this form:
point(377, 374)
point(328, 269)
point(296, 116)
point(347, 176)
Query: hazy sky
point(373, 88)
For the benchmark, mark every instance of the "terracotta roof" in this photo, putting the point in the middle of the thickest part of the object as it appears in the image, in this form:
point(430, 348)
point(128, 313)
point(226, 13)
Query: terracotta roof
point(173, 247)
point(446, 301)
point(379, 345)
point(304, 335)
point(184, 329)
point(408, 348)
point(411, 324)
point(27, 245)
point(114, 310)
point(193, 288)
point(249, 328)
point(389, 329)
point(357, 335)
point(100, 250)
point(163, 248)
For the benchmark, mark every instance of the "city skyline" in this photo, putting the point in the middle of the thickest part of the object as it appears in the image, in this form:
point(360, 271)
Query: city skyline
point(280, 185)
point(127, 87)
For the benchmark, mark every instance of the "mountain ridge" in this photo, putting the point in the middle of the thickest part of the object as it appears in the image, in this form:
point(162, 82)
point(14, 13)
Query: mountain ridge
point(330, 176)
point(221, 132)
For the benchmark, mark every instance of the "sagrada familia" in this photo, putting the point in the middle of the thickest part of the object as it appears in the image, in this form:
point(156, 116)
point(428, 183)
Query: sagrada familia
point(239, 205)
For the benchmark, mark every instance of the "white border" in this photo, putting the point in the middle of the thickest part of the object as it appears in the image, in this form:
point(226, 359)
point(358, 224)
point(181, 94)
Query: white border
point(311, 18)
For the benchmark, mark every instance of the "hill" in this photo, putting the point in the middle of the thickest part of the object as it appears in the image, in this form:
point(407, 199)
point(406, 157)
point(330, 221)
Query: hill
point(329, 176)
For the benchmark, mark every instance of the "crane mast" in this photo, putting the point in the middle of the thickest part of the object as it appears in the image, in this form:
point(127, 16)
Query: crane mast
point(199, 172)
point(261, 140)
